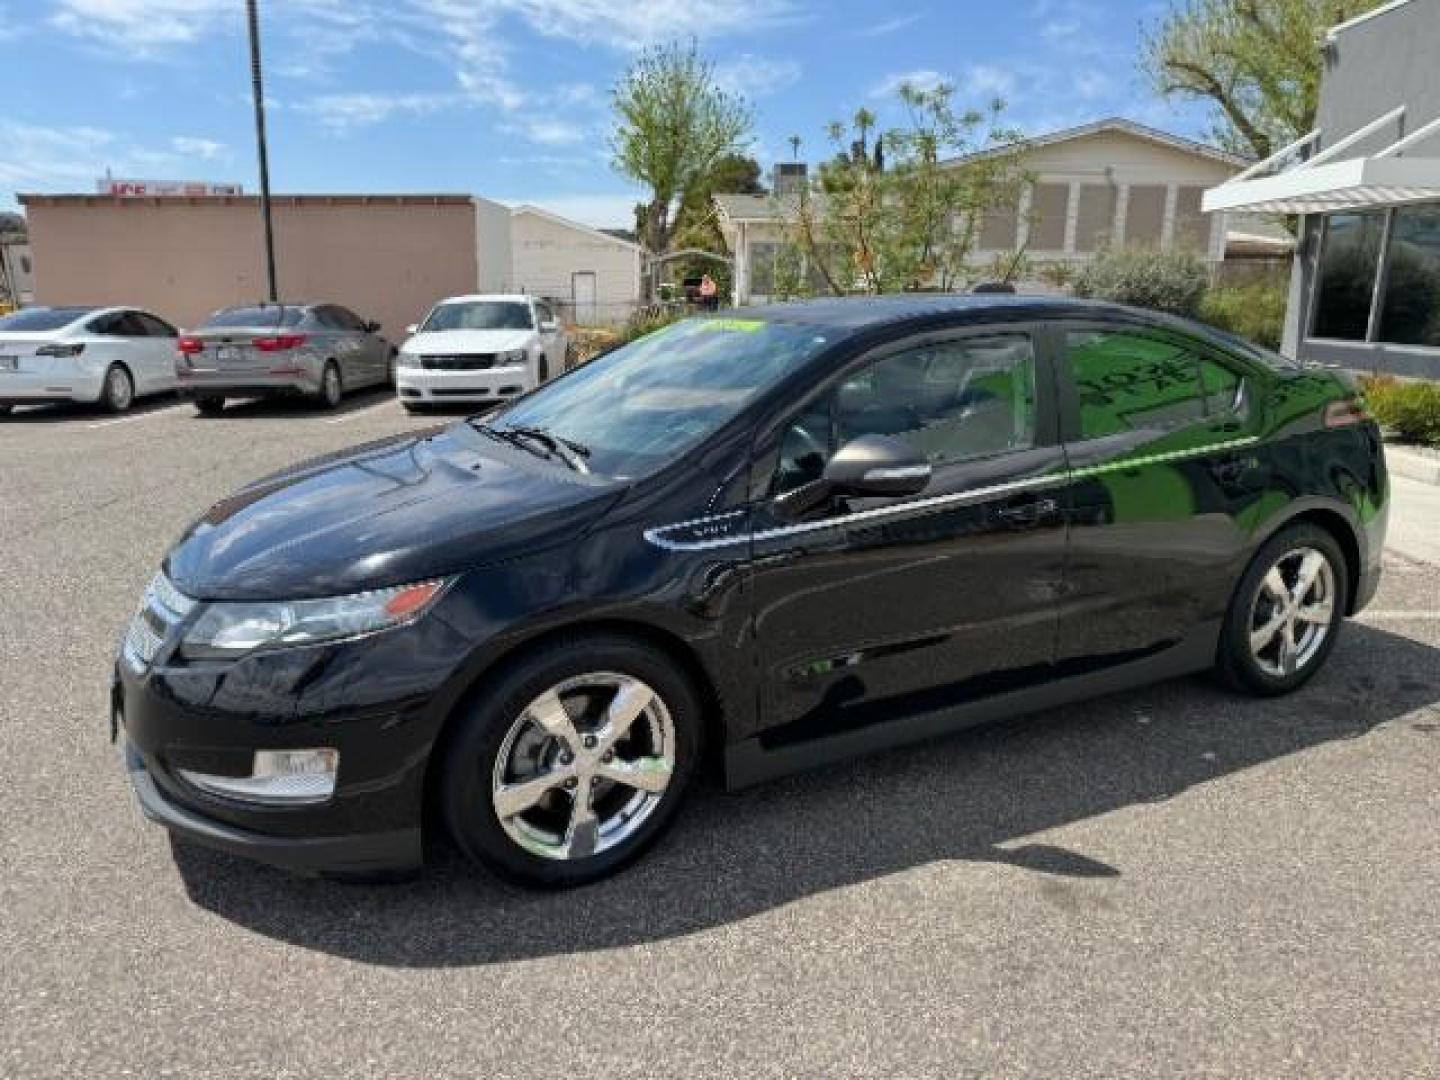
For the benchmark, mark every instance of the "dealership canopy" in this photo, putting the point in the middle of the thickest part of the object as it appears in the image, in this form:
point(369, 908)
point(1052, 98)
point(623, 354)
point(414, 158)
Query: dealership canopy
point(1281, 184)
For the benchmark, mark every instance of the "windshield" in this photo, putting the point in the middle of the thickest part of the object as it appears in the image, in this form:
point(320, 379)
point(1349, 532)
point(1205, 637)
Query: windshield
point(42, 318)
point(264, 315)
point(479, 315)
point(635, 409)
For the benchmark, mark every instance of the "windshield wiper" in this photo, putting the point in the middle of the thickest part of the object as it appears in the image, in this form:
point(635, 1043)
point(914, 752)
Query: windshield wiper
point(567, 450)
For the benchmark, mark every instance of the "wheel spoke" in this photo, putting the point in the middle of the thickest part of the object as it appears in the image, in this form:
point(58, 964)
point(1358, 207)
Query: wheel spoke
point(1318, 613)
point(1287, 648)
point(1274, 585)
point(549, 712)
point(1261, 637)
point(516, 798)
point(632, 699)
point(651, 774)
point(584, 830)
point(1310, 567)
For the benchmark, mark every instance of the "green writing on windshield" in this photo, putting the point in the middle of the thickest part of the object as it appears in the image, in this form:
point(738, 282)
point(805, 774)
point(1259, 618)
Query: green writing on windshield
point(745, 326)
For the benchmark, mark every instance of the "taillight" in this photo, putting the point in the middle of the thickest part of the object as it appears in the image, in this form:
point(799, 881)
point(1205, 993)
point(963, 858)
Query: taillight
point(279, 343)
point(1346, 412)
point(189, 346)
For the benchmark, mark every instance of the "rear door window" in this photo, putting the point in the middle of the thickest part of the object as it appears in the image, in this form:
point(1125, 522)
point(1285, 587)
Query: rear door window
point(1128, 381)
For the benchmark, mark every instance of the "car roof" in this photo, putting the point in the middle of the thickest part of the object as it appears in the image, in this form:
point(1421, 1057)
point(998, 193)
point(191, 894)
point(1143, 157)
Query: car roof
point(896, 311)
point(518, 298)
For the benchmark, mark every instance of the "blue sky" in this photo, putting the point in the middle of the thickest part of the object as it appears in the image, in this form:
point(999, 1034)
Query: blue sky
point(509, 98)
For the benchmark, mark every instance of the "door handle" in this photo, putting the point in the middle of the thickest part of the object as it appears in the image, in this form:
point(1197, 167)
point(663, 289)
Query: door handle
point(1030, 513)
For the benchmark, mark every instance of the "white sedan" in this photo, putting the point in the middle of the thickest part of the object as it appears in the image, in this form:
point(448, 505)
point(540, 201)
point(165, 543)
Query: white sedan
point(478, 350)
point(107, 356)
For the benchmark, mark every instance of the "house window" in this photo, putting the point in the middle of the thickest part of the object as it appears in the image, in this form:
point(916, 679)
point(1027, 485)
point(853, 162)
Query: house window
point(1349, 261)
point(999, 228)
point(1049, 203)
point(1145, 216)
point(1192, 226)
point(1095, 222)
point(1410, 312)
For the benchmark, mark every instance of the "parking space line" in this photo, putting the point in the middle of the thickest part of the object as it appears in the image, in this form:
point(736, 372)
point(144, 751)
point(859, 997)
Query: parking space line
point(361, 412)
point(135, 419)
point(1423, 616)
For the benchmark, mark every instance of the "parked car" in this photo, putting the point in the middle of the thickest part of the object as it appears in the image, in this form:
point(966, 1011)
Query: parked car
point(101, 355)
point(319, 351)
point(767, 542)
point(479, 349)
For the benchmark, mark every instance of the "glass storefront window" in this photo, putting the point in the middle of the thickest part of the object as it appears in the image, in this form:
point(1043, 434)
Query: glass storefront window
point(1410, 312)
point(1349, 261)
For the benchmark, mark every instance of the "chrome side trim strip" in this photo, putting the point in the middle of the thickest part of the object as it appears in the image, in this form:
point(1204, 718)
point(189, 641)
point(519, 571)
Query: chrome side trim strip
point(658, 535)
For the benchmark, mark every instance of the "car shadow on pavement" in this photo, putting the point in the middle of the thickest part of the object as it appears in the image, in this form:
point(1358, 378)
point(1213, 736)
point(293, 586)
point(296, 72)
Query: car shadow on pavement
point(72, 412)
point(973, 796)
point(278, 407)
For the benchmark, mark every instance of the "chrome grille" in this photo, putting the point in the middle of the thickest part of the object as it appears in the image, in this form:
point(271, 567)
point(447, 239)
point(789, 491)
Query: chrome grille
point(161, 609)
point(468, 362)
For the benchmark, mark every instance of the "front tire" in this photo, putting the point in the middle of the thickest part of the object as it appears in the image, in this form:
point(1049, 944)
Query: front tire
point(210, 406)
point(572, 762)
point(332, 389)
point(1286, 613)
point(117, 393)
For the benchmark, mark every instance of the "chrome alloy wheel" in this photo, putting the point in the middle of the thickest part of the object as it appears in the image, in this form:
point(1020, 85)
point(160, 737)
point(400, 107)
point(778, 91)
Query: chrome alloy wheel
point(118, 391)
point(583, 766)
point(1292, 612)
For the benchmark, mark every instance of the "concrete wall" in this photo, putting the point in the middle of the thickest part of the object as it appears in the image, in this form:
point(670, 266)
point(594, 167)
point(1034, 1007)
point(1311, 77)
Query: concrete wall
point(494, 248)
point(387, 257)
point(548, 252)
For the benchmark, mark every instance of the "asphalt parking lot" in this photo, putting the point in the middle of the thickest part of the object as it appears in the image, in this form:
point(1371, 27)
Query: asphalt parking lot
point(1174, 881)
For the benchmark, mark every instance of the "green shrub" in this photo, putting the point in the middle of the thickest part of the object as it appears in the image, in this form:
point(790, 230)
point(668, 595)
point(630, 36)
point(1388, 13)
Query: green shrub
point(1172, 281)
point(1254, 312)
point(1410, 409)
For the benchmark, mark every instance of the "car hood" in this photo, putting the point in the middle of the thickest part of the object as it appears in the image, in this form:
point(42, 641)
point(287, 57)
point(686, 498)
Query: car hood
point(449, 342)
point(409, 508)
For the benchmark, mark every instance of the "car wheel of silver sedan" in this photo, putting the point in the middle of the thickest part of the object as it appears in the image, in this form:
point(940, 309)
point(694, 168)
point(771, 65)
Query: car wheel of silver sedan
point(573, 763)
point(117, 393)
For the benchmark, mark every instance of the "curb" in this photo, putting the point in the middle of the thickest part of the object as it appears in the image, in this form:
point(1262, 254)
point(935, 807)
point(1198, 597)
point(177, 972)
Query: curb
point(1412, 464)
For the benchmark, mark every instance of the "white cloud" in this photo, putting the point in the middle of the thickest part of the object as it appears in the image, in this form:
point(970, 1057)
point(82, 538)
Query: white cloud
point(346, 112)
point(988, 81)
point(924, 79)
point(890, 26)
point(756, 76)
point(191, 146)
point(626, 24)
point(554, 132)
point(143, 25)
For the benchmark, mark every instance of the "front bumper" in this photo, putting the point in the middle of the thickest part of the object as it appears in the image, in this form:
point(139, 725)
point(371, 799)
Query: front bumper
point(419, 386)
point(384, 852)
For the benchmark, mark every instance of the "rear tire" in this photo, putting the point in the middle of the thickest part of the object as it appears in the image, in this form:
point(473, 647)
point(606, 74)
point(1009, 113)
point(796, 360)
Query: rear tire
point(332, 389)
point(6, 410)
point(117, 393)
point(210, 406)
point(581, 824)
point(1286, 612)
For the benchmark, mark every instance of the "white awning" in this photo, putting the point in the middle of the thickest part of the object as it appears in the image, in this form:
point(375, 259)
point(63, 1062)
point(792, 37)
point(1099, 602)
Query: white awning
point(1354, 184)
point(1327, 181)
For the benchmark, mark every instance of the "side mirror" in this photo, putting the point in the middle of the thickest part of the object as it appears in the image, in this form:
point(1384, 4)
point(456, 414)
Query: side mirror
point(872, 466)
point(372, 327)
point(549, 327)
point(412, 329)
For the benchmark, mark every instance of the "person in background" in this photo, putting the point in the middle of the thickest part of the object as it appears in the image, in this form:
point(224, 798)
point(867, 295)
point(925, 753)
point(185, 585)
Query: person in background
point(709, 293)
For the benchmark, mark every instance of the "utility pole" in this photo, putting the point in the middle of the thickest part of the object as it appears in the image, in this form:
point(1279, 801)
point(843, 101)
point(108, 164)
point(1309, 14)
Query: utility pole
point(258, 90)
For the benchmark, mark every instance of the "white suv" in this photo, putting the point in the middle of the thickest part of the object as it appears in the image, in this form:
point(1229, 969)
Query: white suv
point(479, 349)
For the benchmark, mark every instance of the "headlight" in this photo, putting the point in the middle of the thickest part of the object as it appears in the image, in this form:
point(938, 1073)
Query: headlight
point(61, 350)
point(232, 629)
point(407, 359)
point(514, 356)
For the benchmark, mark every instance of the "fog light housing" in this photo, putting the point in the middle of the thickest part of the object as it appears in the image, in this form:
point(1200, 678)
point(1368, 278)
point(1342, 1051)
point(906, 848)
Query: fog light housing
point(278, 778)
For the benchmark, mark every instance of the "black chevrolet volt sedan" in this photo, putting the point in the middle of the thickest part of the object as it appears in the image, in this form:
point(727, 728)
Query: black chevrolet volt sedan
point(747, 544)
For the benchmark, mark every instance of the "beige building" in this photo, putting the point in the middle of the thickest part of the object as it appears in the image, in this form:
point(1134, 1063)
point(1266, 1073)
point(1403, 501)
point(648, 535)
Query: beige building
point(1113, 182)
point(593, 278)
point(387, 257)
